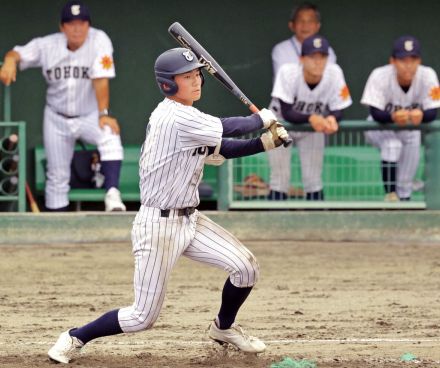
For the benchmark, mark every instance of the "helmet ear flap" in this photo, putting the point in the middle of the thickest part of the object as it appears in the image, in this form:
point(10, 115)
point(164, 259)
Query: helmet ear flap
point(167, 86)
point(202, 77)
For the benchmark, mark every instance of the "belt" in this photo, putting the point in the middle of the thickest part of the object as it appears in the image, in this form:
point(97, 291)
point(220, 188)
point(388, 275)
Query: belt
point(67, 116)
point(180, 212)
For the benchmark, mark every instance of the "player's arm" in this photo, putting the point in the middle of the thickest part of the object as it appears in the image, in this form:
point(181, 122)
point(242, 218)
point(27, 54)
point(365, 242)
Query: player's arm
point(234, 148)
point(102, 92)
point(429, 115)
point(241, 125)
point(8, 72)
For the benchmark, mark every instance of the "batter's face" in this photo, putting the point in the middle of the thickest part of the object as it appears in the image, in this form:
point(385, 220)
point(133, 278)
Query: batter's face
point(76, 33)
point(313, 66)
point(189, 87)
point(406, 69)
point(306, 24)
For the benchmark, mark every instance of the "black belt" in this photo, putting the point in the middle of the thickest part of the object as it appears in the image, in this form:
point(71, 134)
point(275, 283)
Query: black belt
point(180, 212)
point(67, 116)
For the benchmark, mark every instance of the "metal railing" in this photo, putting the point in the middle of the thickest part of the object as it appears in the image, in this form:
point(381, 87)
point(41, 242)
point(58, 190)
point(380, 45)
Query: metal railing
point(351, 174)
point(12, 157)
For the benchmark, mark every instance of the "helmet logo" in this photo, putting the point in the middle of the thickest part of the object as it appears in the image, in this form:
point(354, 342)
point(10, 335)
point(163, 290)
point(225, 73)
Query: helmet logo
point(188, 55)
point(75, 9)
point(409, 45)
point(317, 43)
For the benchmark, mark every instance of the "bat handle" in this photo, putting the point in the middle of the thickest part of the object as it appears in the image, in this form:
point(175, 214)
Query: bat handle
point(286, 142)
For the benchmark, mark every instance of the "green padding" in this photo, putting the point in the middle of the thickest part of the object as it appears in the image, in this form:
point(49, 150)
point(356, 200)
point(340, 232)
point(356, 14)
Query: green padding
point(128, 182)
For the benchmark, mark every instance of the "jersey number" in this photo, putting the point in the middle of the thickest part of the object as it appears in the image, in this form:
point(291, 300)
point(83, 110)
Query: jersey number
point(199, 151)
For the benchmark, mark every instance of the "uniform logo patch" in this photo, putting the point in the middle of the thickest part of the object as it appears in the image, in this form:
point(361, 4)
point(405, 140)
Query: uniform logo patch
point(188, 55)
point(345, 93)
point(317, 43)
point(106, 62)
point(435, 93)
point(75, 9)
point(409, 45)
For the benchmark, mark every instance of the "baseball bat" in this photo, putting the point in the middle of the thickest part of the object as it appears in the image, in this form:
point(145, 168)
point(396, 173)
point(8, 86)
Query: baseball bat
point(184, 38)
point(32, 203)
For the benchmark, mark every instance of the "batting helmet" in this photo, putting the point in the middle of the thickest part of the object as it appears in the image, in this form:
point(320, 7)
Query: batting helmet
point(173, 62)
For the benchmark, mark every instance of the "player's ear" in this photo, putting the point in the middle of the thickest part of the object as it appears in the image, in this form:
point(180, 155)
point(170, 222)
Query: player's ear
point(291, 26)
point(391, 61)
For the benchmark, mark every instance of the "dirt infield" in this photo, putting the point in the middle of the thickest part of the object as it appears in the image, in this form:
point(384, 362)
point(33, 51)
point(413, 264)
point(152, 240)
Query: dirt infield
point(338, 304)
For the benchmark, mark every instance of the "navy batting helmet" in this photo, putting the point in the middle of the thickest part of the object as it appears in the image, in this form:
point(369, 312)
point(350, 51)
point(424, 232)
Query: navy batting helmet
point(173, 62)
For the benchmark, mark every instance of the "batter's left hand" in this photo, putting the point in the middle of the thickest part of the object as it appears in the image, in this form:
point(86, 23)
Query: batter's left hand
point(111, 122)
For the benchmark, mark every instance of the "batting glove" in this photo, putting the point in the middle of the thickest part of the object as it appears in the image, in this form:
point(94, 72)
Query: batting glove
point(268, 117)
point(274, 137)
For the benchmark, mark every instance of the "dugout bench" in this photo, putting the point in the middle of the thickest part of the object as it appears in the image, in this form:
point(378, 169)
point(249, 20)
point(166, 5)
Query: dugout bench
point(128, 182)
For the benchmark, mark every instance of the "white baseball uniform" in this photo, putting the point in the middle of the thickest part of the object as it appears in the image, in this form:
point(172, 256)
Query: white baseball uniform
point(71, 110)
point(171, 168)
point(288, 52)
point(329, 95)
point(383, 92)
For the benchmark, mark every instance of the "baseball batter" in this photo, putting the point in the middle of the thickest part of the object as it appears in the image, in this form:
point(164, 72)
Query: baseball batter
point(76, 64)
point(313, 92)
point(403, 93)
point(180, 139)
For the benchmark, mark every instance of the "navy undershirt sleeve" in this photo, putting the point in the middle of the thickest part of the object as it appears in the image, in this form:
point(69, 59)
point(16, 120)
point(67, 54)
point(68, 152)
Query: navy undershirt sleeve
point(295, 117)
point(233, 148)
point(429, 115)
point(291, 115)
point(385, 117)
point(380, 116)
point(337, 114)
point(240, 125)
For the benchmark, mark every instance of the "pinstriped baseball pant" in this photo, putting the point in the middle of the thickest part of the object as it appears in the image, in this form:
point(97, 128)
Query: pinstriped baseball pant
point(60, 135)
point(158, 242)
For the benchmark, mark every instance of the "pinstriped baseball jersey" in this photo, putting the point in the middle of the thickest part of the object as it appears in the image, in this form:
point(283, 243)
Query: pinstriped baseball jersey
point(172, 159)
point(69, 73)
point(383, 91)
point(330, 94)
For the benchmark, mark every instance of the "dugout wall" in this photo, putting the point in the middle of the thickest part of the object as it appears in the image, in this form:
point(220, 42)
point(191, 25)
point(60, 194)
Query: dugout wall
point(240, 34)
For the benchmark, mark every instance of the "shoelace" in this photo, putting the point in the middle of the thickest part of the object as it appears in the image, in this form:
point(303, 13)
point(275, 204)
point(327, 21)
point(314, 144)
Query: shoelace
point(68, 350)
point(240, 330)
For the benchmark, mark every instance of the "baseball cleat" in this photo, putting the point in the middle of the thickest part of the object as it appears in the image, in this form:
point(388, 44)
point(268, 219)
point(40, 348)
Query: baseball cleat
point(237, 337)
point(113, 200)
point(65, 348)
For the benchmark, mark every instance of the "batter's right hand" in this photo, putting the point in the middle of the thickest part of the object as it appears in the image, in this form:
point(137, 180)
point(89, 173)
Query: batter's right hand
point(400, 117)
point(8, 72)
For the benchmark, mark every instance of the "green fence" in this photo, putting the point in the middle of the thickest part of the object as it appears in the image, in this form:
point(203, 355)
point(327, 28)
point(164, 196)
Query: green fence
point(12, 159)
point(351, 175)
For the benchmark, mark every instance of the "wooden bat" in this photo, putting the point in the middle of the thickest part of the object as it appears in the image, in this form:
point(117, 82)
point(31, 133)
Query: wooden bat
point(32, 203)
point(184, 38)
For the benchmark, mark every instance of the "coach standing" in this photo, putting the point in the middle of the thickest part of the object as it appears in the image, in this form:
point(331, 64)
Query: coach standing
point(76, 63)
